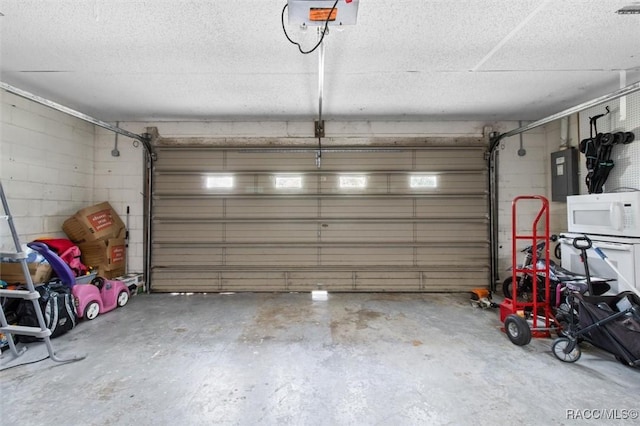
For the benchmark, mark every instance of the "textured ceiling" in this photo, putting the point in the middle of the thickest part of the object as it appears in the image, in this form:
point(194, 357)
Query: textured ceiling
point(484, 60)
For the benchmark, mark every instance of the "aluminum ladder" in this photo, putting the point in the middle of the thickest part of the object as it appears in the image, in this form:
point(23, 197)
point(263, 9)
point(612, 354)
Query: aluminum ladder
point(30, 294)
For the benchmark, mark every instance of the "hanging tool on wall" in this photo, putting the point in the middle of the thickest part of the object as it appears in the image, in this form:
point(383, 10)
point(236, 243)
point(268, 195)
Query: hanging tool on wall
point(597, 150)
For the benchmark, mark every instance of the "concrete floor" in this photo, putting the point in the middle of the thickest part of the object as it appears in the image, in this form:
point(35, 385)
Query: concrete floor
point(356, 359)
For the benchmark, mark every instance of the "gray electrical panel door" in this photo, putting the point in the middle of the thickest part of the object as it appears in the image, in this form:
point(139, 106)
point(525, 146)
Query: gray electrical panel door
point(564, 174)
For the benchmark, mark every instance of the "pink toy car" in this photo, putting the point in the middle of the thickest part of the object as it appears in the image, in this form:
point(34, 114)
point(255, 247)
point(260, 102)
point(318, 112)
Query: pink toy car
point(99, 297)
point(91, 299)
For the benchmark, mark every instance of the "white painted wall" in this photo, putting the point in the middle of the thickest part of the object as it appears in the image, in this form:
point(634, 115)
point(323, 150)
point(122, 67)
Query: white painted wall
point(528, 175)
point(46, 167)
point(519, 176)
point(119, 180)
point(52, 164)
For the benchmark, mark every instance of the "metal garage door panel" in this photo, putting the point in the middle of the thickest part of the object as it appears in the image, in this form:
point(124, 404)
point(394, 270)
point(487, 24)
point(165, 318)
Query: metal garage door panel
point(216, 281)
point(272, 208)
point(188, 232)
point(451, 159)
point(367, 208)
point(184, 281)
point(388, 281)
point(252, 232)
point(205, 281)
point(188, 159)
point(375, 184)
point(265, 281)
point(272, 256)
point(189, 208)
point(475, 207)
point(454, 280)
point(256, 236)
point(366, 256)
point(324, 280)
point(446, 183)
point(366, 232)
point(464, 256)
point(468, 232)
point(365, 161)
point(270, 160)
point(188, 256)
point(267, 184)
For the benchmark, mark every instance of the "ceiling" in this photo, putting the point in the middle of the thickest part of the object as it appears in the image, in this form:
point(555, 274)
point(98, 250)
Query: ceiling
point(487, 60)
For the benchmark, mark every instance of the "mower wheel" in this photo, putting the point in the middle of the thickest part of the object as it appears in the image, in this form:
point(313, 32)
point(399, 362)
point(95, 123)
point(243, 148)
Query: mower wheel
point(91, 311)
point(565, 350)
point(507, 289)
point(123, 298)
point(623, 361)
point(517, 330)
point(629, 137)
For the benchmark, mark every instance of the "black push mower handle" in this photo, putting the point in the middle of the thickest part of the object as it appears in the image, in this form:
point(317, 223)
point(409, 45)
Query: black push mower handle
point(582, 243)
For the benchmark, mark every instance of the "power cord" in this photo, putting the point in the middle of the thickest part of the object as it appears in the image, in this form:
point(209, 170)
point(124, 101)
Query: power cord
point(24, 363)
point(324, 31)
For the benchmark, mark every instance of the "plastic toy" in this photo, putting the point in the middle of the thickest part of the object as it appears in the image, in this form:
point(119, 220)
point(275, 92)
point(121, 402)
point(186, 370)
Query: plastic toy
point(100, 296)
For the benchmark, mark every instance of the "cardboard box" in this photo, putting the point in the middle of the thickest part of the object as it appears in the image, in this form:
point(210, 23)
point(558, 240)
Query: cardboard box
point(94, 223)
point(110, 273)
point(108, 254)
point(133, 281)
point(11, 272)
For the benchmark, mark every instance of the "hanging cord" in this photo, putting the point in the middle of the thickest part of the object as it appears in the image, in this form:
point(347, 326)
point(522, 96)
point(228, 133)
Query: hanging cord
point(324, 31)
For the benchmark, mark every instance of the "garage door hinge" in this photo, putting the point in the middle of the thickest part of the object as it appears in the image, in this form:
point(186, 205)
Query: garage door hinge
point(319, 128)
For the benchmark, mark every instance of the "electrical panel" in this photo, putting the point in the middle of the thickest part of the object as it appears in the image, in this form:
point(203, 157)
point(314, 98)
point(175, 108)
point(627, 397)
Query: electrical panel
point(564, 174)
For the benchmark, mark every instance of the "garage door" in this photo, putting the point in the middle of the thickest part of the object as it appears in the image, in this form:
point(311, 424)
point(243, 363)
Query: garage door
point(410, 218)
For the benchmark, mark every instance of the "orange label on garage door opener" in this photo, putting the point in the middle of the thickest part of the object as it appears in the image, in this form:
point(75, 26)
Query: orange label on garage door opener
point(321, 14)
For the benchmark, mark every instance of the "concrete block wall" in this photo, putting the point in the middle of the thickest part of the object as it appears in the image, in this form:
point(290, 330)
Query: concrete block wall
point(528, 175)
point(519, 176)
point(119, 180)
point(46, 168)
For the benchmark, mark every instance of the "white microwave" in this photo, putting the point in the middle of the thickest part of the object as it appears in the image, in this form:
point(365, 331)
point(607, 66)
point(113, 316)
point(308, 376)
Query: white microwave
point(616, 213)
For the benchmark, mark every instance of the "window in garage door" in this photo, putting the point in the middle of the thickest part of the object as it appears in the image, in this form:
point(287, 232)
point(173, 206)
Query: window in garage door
point(381, 218)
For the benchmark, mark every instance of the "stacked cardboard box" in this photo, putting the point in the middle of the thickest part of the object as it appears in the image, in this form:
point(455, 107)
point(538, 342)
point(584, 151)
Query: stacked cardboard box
point(100, 234)
point(12, 272)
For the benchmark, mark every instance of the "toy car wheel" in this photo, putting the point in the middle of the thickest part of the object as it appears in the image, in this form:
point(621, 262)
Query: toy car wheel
point(565, 350)
point(517, 330)
point(123, 298)
point(92, 310)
